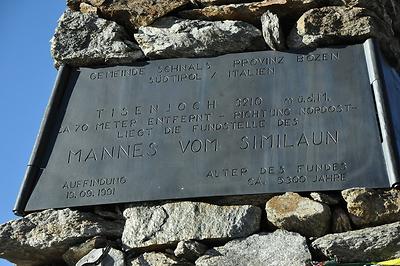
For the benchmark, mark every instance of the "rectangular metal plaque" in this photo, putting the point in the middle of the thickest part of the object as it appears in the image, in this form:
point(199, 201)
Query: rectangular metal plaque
point(236, 124)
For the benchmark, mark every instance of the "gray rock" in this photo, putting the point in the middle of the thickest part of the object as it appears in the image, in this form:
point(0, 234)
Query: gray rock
point(114, 257)
point(190, 250)
point(370, 244)
point(299, 214)
point(369, 207)
point(157, 259)
point(340, 221)
point(85, 39)
point(45, 236)
point(171, 37)
point(336, 25)
point(135, 13)
point(272, 249)
point(251, 12)
point(380, 8)
point(75, 253)
point(149, 226)
point(325, 198)
point(272, 31)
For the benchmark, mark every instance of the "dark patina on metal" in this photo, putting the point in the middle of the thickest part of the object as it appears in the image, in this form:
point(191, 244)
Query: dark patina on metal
point(237, 124)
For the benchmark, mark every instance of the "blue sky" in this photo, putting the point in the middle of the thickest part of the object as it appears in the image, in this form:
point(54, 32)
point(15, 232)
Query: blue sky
point(26, 77)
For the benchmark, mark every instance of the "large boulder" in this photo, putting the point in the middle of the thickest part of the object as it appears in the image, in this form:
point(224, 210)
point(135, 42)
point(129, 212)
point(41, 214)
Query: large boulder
point(85, 39)
point(273, 249)
point(336, 25)
point(152, 226)
point(171, 37)
point(43, 237)
point(299, 214)
point(370, 207)
point(369, 244)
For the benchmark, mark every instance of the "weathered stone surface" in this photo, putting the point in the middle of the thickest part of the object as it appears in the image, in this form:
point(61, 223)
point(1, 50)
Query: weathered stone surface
point(85, 39)
point(295, 213)
point(75, 253)
point(368, 207)
point(190, 250)
point(172, 37)
point(135, 13)
point(157, 259)
point(329, 199)
point(273, 249)
point(114, 257)
point(250, 12)
point(336, 25)
point(380, 8)
point(87, 9)
point(272, 31)
point(172, 222)
point(370, 244)
point(340, 221)
point(386, 10)
point(224, 2)
point(75, 4)
point(45, 236)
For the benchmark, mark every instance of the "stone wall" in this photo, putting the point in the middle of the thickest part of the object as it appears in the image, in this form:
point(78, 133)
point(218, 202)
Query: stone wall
point(354, 225)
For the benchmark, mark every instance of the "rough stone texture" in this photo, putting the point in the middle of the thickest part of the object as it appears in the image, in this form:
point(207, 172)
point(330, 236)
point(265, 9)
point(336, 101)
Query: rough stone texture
point(329, 199)
point(114, 257)
point(75, 253)
point(273, 249)
point(172, 37)
point(85, 39)
point(250, 12)
point(157, 259)
point(380, 8)
point(86, 8)
point(272, 31)
point(295, 213)
point(44, 237)
point(340, 221)
point(224, 2)
point(370, 244)
point(172, 222)
point(369, 207)
point(134, 13)
point(336, 25)
point(190, 250)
